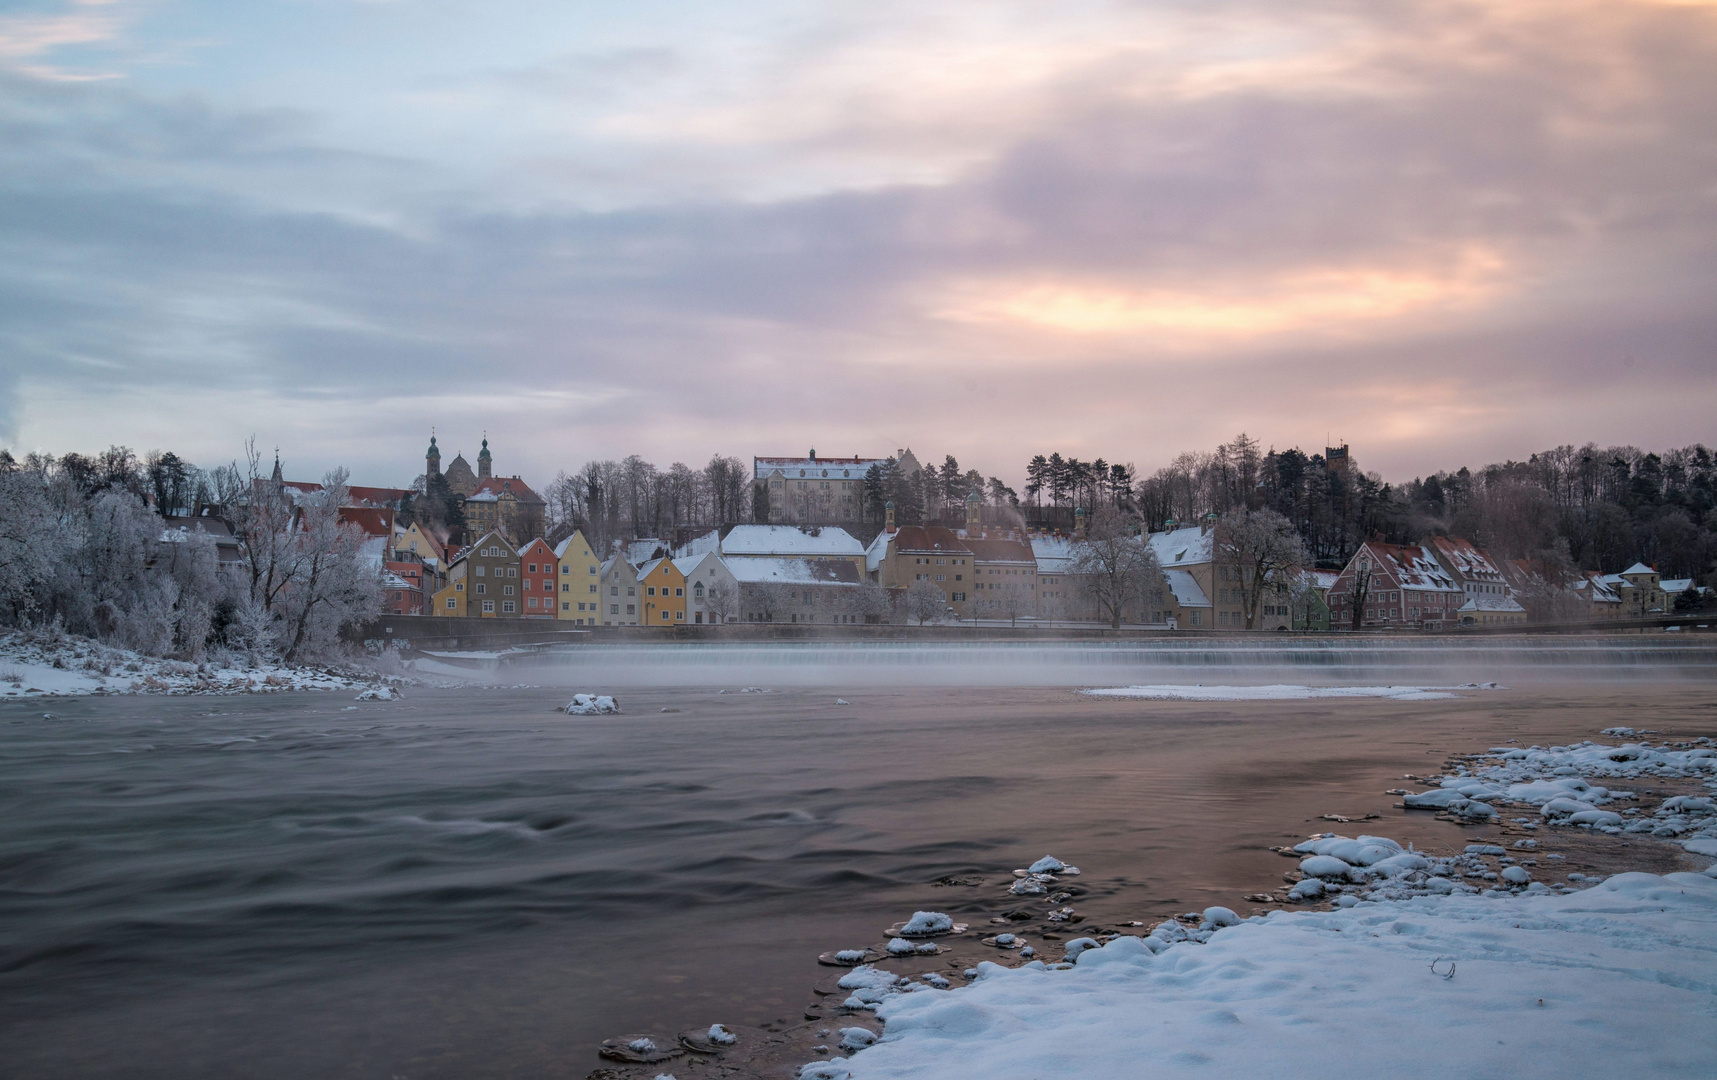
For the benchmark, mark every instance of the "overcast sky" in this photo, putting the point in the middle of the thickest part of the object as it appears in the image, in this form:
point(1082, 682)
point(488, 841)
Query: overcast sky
point(1446, 232)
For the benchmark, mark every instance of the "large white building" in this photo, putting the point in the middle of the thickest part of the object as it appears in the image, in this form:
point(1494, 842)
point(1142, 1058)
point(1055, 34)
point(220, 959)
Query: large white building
point(813, 490)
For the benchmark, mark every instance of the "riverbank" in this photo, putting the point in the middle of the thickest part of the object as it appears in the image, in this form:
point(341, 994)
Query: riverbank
point(46, 664)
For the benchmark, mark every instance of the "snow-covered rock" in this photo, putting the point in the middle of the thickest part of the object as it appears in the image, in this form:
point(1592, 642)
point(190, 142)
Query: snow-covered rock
point(924, 923)
point(590, 705)
point(380, 693)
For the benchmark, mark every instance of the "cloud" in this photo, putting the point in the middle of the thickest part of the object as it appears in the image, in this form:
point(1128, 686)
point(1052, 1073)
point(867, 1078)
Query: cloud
point(1440, 231)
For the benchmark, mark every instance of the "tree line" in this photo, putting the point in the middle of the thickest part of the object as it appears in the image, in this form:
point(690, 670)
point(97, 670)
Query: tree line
point(124, 549)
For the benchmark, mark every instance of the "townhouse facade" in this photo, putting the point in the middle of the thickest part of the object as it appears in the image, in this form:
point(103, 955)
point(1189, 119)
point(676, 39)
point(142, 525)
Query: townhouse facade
point(579, 593)
point(664, 599)
point(538, 576)
point(1394, 586)
point(619, 593)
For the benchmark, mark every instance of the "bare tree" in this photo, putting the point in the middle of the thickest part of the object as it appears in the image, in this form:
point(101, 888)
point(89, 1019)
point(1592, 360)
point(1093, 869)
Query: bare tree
point(722, 601)
point(1261, 552)
point(332, 583)
point(1114, 565)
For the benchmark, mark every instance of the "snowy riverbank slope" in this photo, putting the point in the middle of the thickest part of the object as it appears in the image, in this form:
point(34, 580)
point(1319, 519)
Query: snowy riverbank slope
point(1616, 980)
point(36, 666)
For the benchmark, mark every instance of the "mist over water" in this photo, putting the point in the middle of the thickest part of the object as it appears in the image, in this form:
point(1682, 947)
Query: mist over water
point(469, 884)
point(1319, 661)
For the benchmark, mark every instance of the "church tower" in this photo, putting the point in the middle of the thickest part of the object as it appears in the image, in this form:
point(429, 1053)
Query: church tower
point(974, 514)
point(484, 462)
point(432, 460)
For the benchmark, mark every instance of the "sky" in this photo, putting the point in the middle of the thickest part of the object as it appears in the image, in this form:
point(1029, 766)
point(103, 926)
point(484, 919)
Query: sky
point(1446, 233)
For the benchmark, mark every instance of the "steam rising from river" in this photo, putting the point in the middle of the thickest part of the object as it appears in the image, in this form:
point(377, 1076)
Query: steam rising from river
point(1322, 661)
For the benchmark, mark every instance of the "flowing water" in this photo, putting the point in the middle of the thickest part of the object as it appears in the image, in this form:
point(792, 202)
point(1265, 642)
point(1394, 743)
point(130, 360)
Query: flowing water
point(468, 884)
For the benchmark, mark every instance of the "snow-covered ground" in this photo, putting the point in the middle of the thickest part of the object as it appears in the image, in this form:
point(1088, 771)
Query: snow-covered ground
point(38, 667)
point(1616, 980)
point(1285, 692)
point(1478, 964)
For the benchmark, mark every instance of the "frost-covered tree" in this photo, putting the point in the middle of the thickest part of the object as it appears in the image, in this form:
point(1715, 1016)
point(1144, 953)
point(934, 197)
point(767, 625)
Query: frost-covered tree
point(1260, 553)
point(924, 601)
point(1114, 566)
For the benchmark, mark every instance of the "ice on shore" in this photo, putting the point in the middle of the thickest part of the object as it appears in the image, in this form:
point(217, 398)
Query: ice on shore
point(590, 705)
point(1612, 980)
point(1284, 692)
point(380, 693)
point(1558, 781)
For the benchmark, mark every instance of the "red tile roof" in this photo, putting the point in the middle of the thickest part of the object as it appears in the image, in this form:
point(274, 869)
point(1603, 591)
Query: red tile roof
point(374, 520)
point(495, 485)
point(934, 538)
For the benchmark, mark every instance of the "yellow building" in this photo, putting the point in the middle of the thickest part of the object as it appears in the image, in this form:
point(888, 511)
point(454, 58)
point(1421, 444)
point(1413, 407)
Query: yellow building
point(664, 588)
point(580, 581)
point(450, 598)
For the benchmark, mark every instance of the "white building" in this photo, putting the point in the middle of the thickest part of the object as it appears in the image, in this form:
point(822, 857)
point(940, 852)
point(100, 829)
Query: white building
point(812, 490)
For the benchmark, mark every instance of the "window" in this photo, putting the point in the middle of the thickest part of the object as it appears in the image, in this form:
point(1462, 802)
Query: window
point(458, 586)
point(613, 590)
point(957, 577)
point(506, 590)
point(533, 568)
point(566, 605)
point(507, 607)
point(592, 569)
point(512, 571)
point(664, 616)
point(613, 609)
point(957, 596)
point(488, 607)
point(631, 590)
point(651, 591)
point(941, 577)
point(482, 571)
point(564, 587)
point(532, 602)
point(481, 588)
point(593, 588)
point(678, 615)
point(631, 609)
point(679, 591)
point(452, 604)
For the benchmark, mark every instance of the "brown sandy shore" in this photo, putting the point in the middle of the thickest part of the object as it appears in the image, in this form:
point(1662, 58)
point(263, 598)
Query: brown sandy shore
point(1170, 807)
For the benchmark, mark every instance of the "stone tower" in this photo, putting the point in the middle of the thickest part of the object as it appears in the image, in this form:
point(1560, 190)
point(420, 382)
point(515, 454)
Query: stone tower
point(484, 462)
point(432, 459)
point(974, 513)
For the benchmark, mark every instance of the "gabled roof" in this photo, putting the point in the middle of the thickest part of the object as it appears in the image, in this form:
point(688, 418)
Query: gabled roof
point(933, 539)
point(1185, 589)
point(1638, 568)
point(375, 521)
point(700, 545)
point(491, 537)
point(561, 548)
point(1413, 566)
point(642, 551)
point(1680, 584)
point(765, 571)
point(1054, 554)
point(790, 540)
point(1505, 604)
point(1188, 546)
point(998, 550)
point(1464, 560)
point(356, 496)
point(491, 488)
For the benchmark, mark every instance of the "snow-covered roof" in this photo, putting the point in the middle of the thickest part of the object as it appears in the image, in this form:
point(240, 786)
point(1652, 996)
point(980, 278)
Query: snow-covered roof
point(820, 468)
point(762, 570)
point(751, 541)
point(391, 580)
point(877, 552)
point(1414, 567)
point(1638, 568)
point(374, 550)
point(688, 564)
point(1322, 579)
point(700, 545)
point(1680, 584)
point(1183, 547)
point(1185, 589)
point(1602, 591)
point(641, 551)
point(1505, 604)
point(1465, 560)
point(1054, 553)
